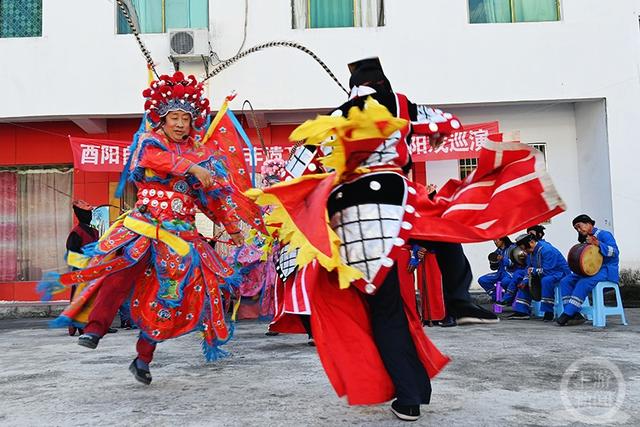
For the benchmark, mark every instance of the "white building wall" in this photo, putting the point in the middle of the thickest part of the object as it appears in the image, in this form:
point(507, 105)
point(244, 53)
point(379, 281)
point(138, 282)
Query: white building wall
point(553, 124)
point(594, 176)
point(80, 67)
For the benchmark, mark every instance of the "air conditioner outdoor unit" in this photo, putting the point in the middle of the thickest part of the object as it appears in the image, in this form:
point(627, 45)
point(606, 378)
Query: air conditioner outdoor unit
point(186, 44)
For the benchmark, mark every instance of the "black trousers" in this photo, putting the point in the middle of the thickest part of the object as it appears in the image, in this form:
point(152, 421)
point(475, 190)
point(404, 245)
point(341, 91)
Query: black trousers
point(394, 342)
point(306, 322)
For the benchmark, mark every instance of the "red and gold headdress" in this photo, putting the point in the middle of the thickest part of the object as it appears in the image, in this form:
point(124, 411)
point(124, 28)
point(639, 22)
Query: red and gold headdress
point(172, 93)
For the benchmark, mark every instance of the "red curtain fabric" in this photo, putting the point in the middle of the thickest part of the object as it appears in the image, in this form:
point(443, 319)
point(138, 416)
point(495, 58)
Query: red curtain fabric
point(8, 226)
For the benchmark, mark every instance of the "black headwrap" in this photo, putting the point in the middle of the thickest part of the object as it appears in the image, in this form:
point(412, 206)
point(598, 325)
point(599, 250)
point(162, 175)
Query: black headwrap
point(84, 215)
point(583, 218)
point(506, 240)
point(368, 72)
point(538, 229)
point(524, 239)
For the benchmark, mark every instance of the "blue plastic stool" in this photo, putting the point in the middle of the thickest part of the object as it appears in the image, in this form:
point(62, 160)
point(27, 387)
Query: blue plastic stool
point(600, 310)
point(558, 306)
point(535, 309)
point(587, 310)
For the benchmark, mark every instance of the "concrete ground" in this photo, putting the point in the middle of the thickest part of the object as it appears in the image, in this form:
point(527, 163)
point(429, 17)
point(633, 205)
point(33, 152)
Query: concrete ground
point(505, 374)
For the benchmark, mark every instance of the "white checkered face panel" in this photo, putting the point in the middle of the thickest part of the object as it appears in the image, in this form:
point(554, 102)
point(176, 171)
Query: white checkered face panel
point(286, 264)
point(367, 232)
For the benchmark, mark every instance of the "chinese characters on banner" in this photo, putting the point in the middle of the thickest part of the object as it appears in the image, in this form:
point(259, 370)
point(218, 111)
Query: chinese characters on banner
point(99, 155)
point(273, 152)
point(103, 155)
point(460, 145)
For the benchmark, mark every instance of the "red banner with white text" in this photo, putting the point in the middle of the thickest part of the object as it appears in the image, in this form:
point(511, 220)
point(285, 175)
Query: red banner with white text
point(103, 155)
point(99, 155)
point(459, 145)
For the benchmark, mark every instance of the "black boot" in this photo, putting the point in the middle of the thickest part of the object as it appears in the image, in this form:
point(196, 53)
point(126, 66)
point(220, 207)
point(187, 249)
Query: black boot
point(548, 317)
point(577, 319)
point(142, 375)
point(88, 340)
point(563, 319)
point(448, 322)
point(472, 314)
point(405, 412)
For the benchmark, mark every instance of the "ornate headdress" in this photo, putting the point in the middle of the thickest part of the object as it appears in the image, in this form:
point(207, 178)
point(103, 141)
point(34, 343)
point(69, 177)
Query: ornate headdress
point(273, 171)
point(172, 93)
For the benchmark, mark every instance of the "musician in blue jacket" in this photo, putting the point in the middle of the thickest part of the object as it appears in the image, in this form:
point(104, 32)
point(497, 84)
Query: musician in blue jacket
point(520, 271)
point(575, 287)
point(505, 268)
point(544, 262)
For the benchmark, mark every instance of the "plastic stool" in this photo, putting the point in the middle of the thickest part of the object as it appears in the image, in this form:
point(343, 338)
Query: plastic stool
point(600, 310)
point(558, 306)
point(587, 310)
point(498, 308)
point(535, 309)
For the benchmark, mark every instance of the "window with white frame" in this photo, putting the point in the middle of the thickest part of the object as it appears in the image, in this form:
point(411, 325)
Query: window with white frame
point(159, 16)
point(466, 166)
point(501, 11)
point(337, 13)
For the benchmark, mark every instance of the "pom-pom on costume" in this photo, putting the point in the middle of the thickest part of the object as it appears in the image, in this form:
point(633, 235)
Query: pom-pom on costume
point(153, 253)
point(355, 222)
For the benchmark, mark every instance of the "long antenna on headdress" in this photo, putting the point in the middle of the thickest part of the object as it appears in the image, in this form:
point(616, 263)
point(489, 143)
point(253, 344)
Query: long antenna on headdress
point(255, 125)
point(223, 65)
point(147, 55)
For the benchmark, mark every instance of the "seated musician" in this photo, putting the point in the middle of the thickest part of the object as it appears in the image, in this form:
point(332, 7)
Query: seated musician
point(504, 266)
point(510, 290)
point(546, 264)
point(576, 287)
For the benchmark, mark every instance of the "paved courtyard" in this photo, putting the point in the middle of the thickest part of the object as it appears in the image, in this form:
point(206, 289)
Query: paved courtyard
point(505, 374)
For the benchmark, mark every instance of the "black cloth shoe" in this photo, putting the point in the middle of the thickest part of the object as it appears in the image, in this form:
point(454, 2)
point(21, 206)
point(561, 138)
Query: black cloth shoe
point(576, 320)
point(448, 322)
point(72, 330)
point(548, 317)
point(519, 316)
point(271, 333)
point(125, 325)
point(405, 412)
point(311, 342)
point(112, 330)
point(563, 319)
point(88, 340)
point(471, 314)
point(142, 375)
point(504, 303)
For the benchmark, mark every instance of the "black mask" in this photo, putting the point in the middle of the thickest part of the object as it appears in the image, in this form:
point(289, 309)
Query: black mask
point(84, 216)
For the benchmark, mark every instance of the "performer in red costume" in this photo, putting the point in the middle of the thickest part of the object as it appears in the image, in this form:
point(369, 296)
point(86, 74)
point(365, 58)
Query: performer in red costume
point(154, 254)
point(82, 234)
point(357, 220)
